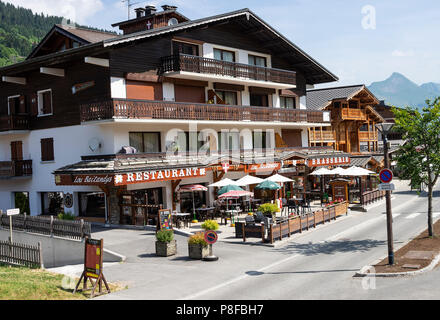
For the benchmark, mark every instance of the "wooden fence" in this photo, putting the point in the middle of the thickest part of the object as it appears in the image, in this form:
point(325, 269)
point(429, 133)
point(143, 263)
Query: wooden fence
point(19, 254)
point(372, 196)
point(48, 226)
point(290, 225)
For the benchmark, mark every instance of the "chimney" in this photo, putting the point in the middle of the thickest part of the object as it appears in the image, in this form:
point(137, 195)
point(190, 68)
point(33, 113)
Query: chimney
point(139, 12)
point(149, 10)
point(167, 7)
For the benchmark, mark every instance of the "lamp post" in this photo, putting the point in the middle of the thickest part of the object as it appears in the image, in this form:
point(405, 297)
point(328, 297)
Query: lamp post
point(385, 129)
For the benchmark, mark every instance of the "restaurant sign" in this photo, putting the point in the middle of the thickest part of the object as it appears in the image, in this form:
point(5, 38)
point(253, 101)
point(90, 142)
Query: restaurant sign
point(328, 161)
point(158, 175)
point(264, 167)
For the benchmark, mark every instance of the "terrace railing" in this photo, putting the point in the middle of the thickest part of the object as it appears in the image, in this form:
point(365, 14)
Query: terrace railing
point(372, 196)
point(198, 64)
point(14, 122)
point(145, 109)
point(16, 168)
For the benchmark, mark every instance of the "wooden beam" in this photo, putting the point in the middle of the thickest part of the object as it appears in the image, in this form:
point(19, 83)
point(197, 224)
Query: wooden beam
point(97, 61)
point(53, 71)
point(17, 80)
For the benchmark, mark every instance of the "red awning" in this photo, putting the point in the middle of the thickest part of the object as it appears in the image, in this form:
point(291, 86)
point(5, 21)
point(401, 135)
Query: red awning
point(193, 187)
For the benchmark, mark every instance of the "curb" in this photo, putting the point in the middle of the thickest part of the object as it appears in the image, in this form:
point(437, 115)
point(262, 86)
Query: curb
point(401, 274)
point(120, 256)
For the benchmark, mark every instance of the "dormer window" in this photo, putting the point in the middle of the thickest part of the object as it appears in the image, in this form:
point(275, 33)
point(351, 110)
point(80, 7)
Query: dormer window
point(45, 102)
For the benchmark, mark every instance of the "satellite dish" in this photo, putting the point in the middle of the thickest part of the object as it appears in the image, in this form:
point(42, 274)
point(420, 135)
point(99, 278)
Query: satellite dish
point(94, 144)
point(172, 22)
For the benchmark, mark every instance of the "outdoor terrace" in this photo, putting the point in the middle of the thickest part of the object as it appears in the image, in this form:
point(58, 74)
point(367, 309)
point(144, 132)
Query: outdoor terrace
point(167, 110)
point(196, 64)
point(14, 122)
point(16, 168)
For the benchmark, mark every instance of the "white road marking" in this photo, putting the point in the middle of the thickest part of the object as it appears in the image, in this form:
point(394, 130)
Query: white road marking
point(395, 215)
point(413, 215)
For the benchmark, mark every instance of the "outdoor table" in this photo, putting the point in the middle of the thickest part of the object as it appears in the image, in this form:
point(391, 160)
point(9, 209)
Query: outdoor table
point(181, 217)
point(205, 211)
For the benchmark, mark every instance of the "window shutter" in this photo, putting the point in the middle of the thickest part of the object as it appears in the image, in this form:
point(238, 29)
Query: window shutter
point(22, 108)
point(50, 150)
point(47, 153)
point(47, 102)
point(12, 106)
point(34, 104)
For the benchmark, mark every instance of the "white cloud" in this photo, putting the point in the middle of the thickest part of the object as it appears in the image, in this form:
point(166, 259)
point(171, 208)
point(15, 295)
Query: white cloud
point(76, 10)
point(400, 53)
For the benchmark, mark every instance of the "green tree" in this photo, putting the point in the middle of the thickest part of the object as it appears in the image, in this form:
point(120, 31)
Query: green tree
point(419, 158)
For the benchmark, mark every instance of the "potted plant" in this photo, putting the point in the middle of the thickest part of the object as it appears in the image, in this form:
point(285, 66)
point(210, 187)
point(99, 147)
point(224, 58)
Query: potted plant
point(197, 246)
point(166, 245)
point(269, 209)
point(210, 225)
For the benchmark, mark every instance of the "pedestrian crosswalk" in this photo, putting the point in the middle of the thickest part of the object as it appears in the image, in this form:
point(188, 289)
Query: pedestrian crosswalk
point(413, 215)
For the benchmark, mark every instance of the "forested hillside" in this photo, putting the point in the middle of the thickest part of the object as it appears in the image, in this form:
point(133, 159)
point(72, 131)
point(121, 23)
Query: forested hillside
point(20, 31)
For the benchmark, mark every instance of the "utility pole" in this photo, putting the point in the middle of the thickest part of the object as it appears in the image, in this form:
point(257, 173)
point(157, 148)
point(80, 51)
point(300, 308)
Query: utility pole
point(129, 5)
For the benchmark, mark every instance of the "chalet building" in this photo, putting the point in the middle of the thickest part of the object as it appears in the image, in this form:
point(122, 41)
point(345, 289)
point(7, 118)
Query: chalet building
point(112, 125)
point(353, 119)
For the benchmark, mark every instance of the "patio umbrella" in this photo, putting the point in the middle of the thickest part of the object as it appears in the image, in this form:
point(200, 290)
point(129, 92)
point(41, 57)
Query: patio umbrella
point(338, 171)
point(322, 172)
point(228, 188)
point(247, 180)
point(357, 171)
point(235, 194)
point(222, 183)
point(268, 185)
point(192, 188)
point(279, 178)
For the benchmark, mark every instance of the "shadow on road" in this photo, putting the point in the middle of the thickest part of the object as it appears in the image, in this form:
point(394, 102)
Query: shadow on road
point(330, 247)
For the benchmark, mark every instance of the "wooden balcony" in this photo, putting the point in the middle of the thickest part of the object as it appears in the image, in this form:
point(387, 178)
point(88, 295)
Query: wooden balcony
point(14, 122)
point(197, 64)
point(353, 114)
point(16, 168)
point(321, 136)
point(144, 109)
point(367, 136)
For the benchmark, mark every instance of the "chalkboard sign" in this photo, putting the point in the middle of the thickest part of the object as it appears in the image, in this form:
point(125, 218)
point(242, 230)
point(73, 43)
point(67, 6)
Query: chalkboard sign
point(165, 220)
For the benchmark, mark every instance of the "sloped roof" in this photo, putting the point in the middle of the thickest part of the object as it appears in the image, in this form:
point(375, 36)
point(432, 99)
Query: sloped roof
point(319, 98)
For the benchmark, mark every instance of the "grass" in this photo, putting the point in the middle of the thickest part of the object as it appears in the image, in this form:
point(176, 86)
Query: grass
point(17, 283)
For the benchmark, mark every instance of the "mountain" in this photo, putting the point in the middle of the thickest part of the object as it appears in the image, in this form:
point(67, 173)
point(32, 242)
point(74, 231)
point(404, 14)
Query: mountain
point(399, 91)
point(21, 30)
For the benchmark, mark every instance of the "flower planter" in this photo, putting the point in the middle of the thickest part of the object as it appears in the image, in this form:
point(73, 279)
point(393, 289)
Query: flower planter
point(166, 249)
point(198, 251)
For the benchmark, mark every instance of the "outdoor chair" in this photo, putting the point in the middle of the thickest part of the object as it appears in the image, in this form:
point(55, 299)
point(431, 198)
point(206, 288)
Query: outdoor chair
point(250, 220)
point(259, 217)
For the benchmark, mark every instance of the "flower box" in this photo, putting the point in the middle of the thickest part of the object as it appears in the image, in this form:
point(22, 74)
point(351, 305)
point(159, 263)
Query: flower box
point(166, 249)
point(198, 251)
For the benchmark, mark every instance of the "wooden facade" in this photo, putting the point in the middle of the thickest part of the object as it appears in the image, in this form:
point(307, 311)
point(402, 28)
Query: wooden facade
point(353, 122)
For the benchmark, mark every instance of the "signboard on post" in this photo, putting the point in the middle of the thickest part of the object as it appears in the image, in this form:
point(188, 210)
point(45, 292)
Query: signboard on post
point(10, 213)
point(93, 262)
point(386, 187)
point(386, 176)
point(211, 237)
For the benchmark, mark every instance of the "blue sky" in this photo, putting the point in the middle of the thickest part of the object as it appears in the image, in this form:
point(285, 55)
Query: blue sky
point(405, 37)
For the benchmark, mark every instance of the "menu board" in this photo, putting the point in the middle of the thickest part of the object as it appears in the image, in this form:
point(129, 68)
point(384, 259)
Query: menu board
point(93, 258)
point(165, 219)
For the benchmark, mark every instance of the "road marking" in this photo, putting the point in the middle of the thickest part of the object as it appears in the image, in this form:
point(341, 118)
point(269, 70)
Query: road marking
point(413, 215)
point(435, 214)
point(225, 284)
point(395, 215)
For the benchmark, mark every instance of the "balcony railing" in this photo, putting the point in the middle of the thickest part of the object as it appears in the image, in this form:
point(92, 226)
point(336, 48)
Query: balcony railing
point(368, 136)
point(143, 109)
point(16, 168)
point(353, 114)
point(322, 136)
point(14, 122)
point(197, 64)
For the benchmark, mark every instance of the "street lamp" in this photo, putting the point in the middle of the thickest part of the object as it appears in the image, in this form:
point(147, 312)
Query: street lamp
point(385, 129)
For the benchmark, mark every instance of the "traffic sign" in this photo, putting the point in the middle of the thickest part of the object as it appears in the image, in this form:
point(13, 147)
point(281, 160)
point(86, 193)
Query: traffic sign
point(12, 212)
point(386, 176)
point(386, 187)
point(211, 237)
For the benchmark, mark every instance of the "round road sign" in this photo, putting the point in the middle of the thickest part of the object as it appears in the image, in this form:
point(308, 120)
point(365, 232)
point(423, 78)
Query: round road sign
point(386, 176)
point(211, 237)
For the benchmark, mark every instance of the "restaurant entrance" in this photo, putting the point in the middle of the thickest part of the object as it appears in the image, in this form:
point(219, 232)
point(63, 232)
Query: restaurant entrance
point(141, 207)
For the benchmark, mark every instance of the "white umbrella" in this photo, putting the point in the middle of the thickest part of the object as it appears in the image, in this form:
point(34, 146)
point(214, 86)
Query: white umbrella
point(322, 172)
point(247, 180)
point(224, 182)
point(357, 171)
point(278, 178)
point(338, 171)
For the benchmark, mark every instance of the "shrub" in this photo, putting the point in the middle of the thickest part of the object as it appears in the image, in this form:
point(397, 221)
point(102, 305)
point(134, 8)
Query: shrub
point(66, 216)
point(210, 225)
point(268, 208)
point(165, 236)
point(198, 238)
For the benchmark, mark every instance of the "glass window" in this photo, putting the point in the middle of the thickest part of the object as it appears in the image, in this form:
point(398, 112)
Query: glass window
point(288, 102)
point(145, 142)
point(224, 55)
point(259, 100)
point(262, 140)
point(228, 97)
point(51, 202)
point(228, 141)
point(185, 48)
point(45, 102)
point(257, 61)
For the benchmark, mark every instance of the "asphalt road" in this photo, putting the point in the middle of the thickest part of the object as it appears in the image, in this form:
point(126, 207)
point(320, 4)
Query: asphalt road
point(318, 264)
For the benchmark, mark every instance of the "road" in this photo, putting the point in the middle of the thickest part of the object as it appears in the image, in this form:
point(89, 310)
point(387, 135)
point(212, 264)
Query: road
point(318, 264)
